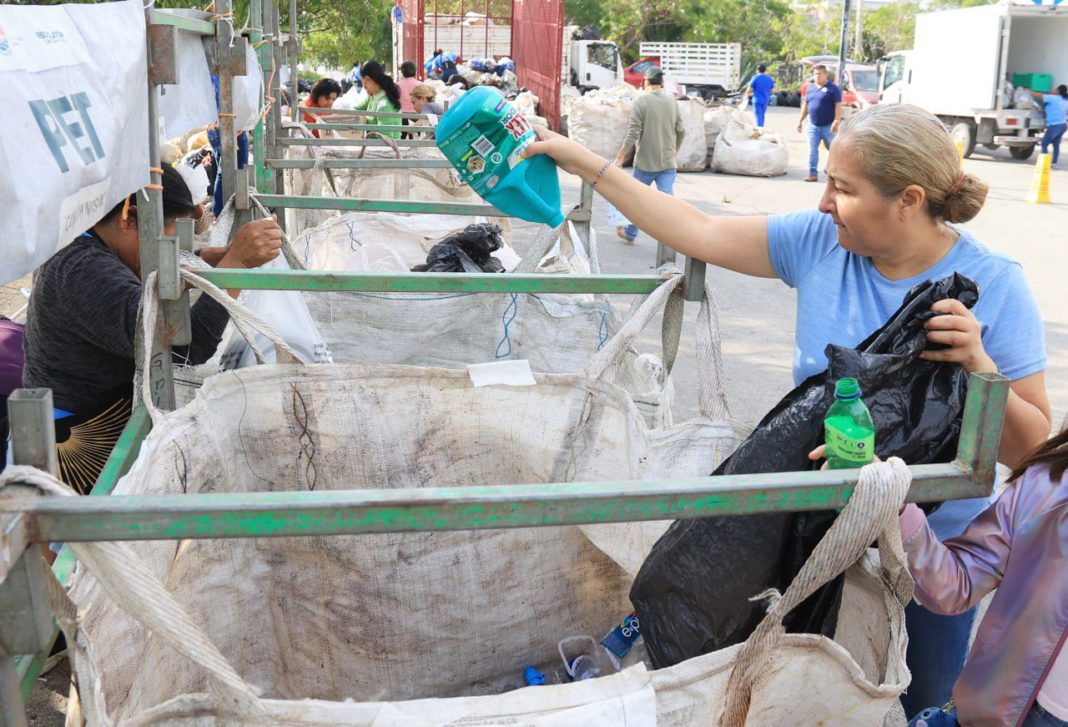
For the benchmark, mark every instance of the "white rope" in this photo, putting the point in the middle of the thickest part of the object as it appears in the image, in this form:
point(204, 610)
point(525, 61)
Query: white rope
point(247, 322)
point(606, 362)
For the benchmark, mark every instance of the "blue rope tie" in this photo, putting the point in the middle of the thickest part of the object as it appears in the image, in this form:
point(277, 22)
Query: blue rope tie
point(602, 331)
point(506, 319)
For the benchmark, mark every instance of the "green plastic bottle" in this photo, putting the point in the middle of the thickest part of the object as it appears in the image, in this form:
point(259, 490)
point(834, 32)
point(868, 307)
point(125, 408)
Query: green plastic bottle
point(850, 433)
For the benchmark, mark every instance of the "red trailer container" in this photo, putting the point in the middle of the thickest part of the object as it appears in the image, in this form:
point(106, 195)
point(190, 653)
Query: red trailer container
point(531, 35)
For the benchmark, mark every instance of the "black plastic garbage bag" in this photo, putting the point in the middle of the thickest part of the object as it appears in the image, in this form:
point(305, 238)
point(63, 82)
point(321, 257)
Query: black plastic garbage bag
point(467, 251)
point(692, 593)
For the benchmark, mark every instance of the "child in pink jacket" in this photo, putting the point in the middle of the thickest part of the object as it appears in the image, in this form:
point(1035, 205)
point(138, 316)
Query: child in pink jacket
point(1017, 671)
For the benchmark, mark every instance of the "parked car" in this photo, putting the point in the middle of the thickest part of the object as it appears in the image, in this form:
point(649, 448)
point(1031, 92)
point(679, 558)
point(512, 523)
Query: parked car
point(860, 88)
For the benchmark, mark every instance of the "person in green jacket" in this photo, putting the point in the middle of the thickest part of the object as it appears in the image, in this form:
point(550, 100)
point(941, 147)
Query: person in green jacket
point(380, 93)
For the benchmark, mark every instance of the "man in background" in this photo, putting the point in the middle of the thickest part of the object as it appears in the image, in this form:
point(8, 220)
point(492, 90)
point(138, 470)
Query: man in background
point(656, 129)
point(822, 104)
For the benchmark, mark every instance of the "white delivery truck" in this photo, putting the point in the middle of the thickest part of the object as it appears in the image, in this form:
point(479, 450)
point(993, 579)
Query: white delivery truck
point(964, 66)
point(710, 70)
point(590, 64)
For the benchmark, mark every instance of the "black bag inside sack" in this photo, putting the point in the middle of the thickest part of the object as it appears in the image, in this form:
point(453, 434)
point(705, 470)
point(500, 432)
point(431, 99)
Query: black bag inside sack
point(467, 251)
point(692, 592)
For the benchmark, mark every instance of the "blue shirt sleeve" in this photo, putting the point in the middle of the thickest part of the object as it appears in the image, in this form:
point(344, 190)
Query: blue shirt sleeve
point(837, 94)
point(797, 241)
point(1012, 330)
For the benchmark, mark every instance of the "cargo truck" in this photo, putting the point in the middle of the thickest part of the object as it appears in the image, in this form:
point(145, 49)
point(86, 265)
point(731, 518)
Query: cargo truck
point(710, 70)
point(967, 63)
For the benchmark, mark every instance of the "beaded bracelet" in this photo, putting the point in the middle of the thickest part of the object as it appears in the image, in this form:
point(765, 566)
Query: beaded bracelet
point(597, 178)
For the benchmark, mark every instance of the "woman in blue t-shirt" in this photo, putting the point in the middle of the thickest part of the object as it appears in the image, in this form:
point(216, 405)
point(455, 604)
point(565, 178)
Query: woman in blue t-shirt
point(1056, 107)
point(885, 222)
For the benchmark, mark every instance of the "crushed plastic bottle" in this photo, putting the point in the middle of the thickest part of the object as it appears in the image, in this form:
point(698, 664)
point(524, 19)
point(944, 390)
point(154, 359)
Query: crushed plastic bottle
point(584, 659)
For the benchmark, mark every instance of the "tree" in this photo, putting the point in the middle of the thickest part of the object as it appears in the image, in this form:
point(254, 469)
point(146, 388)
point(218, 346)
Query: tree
point(752, 23)
point(808, 31)
point(629, 22)
point(889, 28)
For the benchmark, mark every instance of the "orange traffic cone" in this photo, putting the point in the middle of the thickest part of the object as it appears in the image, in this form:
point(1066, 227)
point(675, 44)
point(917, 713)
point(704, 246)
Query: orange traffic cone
point(1039, 193)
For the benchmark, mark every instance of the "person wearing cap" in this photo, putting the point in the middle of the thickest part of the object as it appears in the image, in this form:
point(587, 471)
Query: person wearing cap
point(82, 319)
point(656, 129)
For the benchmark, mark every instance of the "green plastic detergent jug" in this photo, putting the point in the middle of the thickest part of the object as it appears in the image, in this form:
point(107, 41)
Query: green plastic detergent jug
point(484, 136)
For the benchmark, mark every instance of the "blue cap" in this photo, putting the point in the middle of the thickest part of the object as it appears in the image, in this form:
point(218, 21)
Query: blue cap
point(533, 677)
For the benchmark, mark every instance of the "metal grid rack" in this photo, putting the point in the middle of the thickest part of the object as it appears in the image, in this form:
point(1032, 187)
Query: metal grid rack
point(26, 630)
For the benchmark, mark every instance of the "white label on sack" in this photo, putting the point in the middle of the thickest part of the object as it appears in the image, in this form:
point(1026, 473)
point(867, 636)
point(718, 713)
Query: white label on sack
point(39, 38)
point(501, 373)
point(82, 209)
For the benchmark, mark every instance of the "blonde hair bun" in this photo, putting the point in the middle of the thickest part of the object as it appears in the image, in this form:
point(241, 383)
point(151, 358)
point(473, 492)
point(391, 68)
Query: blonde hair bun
point(899, 145)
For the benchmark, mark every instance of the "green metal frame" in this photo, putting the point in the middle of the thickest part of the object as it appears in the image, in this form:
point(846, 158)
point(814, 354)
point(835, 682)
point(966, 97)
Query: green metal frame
point(369, 114)
point(313, 280)
point(368, 127)
point(378, 205)
point(352, 512)
point(358, 163)
point(281, 514)
point(182, 22)
point(301, 141)
point(119, 462)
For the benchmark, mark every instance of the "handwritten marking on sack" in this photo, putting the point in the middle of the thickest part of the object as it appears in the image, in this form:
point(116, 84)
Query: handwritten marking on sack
point(83, 209)
point(60, 128)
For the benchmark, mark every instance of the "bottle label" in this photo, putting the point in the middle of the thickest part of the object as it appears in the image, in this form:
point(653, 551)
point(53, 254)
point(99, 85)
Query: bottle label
point(843, 447)
point(620, 640)
point(488, 145)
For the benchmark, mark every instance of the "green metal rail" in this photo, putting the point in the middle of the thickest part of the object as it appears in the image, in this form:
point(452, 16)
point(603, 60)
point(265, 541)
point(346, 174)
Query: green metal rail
point(430, 282)
point(370, 114)
point(378, 205)
point(358, 142)
point(182, 22)
point(353, 512)
point(358, 164)
point(359, 512)
point(370, 127)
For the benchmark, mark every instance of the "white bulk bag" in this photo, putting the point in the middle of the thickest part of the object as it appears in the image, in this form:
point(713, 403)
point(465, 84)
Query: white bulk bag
point(599, 120)
point(75, 133)
point(426, 628)
point(190, 103)
point(750, 151)
point(714, 120)
point(391, 616)
point(693, 154)
point(554, 333)
point(385, 242)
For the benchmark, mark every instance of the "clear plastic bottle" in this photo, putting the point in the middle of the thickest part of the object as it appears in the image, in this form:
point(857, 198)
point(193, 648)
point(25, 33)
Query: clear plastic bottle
point(583, 659)
point(849, 431)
